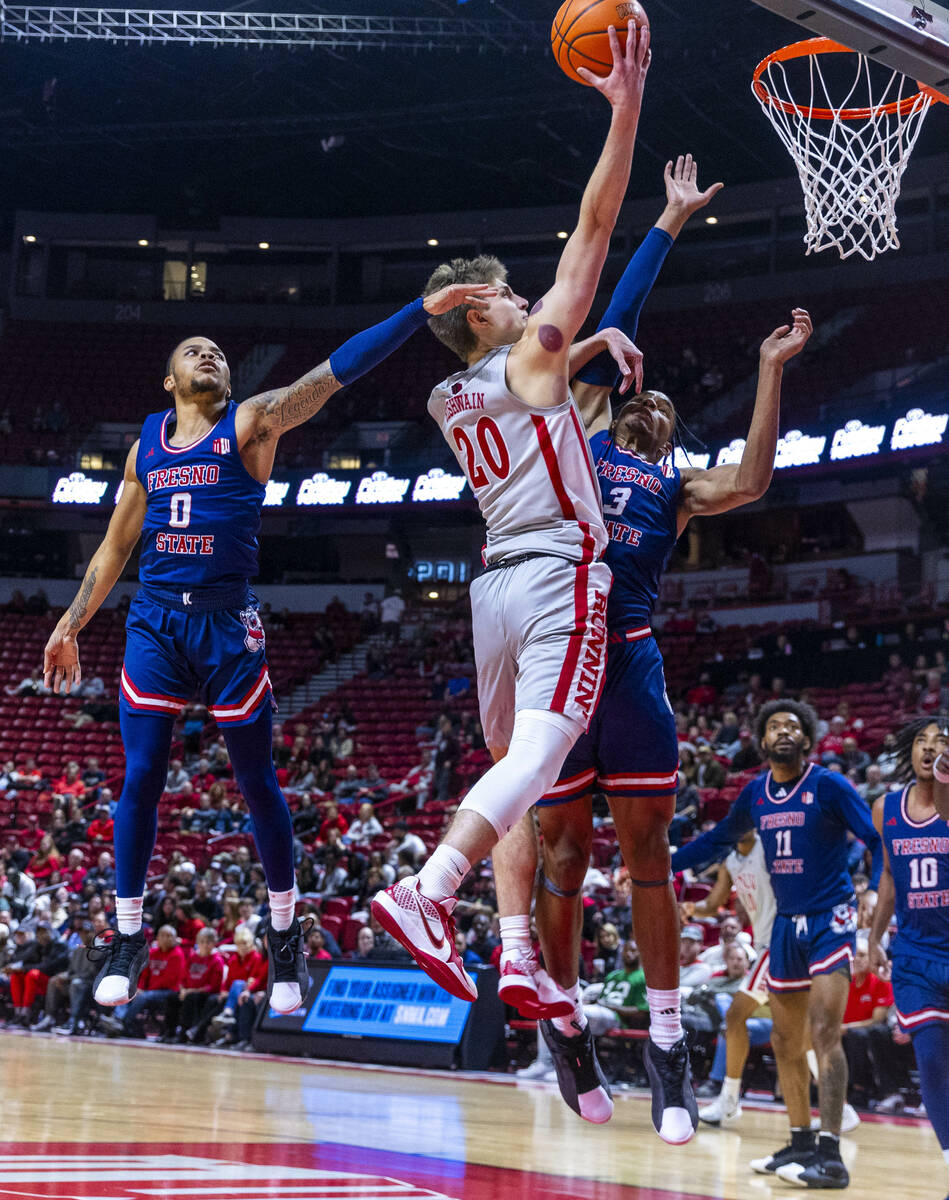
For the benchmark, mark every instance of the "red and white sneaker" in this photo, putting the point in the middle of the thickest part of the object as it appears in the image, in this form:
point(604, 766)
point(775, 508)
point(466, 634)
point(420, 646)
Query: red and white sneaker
point(526, 986)
point(426, 928)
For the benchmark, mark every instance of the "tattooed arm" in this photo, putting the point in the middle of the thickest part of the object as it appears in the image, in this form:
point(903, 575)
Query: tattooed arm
point(61, 658)
point(262, 419)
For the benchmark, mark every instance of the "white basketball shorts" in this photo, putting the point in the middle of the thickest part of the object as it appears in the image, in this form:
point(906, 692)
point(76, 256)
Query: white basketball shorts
point(539, 640)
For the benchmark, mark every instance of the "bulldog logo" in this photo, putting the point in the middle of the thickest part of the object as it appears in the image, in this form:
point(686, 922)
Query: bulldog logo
point(254, 638)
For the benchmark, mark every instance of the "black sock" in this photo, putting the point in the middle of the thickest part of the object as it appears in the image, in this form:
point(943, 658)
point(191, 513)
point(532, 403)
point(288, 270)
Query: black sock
point(802, 1138)
point(829, 1145)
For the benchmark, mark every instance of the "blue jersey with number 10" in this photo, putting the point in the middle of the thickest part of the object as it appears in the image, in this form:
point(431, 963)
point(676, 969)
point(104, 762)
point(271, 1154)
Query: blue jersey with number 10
point(640, 510)
point(203, 507)
point(919, 863)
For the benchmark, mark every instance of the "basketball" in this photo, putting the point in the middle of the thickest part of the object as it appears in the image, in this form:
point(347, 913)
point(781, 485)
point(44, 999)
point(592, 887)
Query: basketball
point(579, 35)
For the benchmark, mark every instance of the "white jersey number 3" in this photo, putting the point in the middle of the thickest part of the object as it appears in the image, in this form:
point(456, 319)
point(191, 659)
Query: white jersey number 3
point(494, 453)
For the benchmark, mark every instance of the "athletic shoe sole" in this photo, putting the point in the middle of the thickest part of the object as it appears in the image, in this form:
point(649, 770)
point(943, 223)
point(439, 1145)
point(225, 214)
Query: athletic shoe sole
point(520, 992)
point(385, 911)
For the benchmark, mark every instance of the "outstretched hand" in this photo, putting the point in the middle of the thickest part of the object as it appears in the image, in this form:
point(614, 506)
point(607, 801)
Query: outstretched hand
point(447, 298)
point(623, 87)
point(788, 340)
point(627, 356)
point(682, 188)
point(61, 662)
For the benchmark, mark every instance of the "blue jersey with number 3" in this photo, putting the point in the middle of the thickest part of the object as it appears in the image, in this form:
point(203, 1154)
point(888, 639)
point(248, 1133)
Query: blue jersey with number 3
point(640, 502)
point(202, 510)
point(803, 826)
point(919, 863)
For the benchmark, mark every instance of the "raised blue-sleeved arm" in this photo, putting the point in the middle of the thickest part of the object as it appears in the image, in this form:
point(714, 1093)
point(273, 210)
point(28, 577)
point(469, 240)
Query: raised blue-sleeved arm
point(626, 303)
point(366, 350)
point(852, 811)
point(715, 843)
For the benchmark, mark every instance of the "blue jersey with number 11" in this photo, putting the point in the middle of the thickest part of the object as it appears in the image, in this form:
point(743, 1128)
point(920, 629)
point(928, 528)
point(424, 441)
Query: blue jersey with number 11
point(202, 507)
point(640, 510)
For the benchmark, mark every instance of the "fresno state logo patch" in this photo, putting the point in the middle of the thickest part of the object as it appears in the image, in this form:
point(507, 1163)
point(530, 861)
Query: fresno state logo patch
point(254, 637)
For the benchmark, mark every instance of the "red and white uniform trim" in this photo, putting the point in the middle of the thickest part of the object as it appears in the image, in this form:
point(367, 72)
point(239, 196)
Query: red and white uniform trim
point(831, 963)
point(640, 781)
point(149, 701)
point(757, 980)
point(228, 713)
point(921, 1017)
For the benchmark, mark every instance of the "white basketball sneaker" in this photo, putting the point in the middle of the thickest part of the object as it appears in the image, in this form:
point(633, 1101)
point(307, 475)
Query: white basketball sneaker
point(426, 928)
point(526, 986)
point(723, 1110)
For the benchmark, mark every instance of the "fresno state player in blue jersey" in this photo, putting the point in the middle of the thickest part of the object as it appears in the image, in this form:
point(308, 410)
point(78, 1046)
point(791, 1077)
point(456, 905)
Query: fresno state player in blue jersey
point(193, 488)
point(631, 748)
point(802, 813)
point(915, 885)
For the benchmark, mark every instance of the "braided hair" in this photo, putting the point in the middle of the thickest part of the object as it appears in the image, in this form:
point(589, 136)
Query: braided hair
point(906, 738)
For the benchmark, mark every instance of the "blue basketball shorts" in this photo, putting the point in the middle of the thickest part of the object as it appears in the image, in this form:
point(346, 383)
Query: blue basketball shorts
point(805, 946)
point(631, 747)
point(182, 645)
point(921, 991)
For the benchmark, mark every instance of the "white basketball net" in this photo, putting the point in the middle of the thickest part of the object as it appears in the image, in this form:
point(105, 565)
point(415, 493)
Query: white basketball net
point(850, 170)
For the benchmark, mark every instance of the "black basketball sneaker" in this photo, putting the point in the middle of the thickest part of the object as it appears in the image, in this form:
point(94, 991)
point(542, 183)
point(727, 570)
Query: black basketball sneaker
point(578, 1069)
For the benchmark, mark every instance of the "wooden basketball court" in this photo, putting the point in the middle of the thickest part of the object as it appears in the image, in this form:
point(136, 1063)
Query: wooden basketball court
point(97, 1120)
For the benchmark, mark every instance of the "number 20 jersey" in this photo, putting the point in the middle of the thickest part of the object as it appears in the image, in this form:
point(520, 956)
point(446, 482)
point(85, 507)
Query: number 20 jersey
point(203, 507)
point(530, 468)
point(918, 854)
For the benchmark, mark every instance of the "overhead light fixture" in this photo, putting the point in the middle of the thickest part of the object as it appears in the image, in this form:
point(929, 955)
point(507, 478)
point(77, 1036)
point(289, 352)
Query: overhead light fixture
point(433, 595)
point(30, 237)
point(711, 220)
point(143, 241)
point(263, 245)
point(432, 242)
point(562, 234)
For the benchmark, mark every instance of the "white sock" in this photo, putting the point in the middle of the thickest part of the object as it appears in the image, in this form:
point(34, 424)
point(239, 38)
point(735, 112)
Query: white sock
point(575, 1024)
point(443, 872)
point(128, 913)
point(281, 909)
point(812, 1063)
point(516, 936)
point(731, 1088)
point(665, 1016)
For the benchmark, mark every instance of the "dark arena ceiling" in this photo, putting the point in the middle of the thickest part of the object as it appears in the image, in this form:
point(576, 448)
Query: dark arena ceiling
point(197, 132)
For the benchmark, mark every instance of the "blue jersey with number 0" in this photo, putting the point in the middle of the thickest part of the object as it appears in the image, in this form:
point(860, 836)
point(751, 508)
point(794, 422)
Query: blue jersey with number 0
point(203, 507)
point(803, 826)
point(919, 863)
point(640, 502)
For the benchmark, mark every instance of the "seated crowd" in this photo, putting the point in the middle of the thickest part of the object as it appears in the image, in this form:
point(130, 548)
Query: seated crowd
point(356, 831)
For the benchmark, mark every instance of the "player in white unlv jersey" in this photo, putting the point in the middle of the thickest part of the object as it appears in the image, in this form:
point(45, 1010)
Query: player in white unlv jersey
point(539, 611)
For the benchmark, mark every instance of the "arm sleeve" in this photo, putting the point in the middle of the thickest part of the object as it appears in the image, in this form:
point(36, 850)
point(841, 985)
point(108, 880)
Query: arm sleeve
point(627, 301)
point(851, 810)
point(366, 350)
point(714, 844)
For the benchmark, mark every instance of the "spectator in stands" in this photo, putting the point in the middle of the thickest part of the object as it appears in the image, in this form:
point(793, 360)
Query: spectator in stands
point(75, 870)
point(692, 971)
point(365, 944)
point(934, 697)
point(102, 875)
point(70, 783)
point(178, 781)
point(316, 946)
point(351, 783)
point(46, 860)
point(366, 827)
point(874, 785)
point(193, 717)
point(607, 952)
point(386, 946)
point(729, 931)
point(207, 908)
point(446, 755)
point(19, 891)
point(391, 610)
point(101, 827)
point(374, 786)
point(481, 937)
point(403, 841)
point(867, 1040)
point(746, 756)
point(201, 985)
point(333, 819)
point(70, 990)
point(852, 758)
point(32, 970)
point(709, 773)
point(369, 614)
point(620, 1002)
